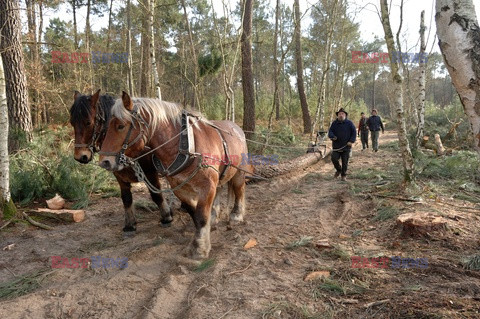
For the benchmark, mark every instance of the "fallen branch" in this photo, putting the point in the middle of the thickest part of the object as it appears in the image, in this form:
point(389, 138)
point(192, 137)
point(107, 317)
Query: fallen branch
point(35, 223)
point(398, 198)
point(376, 303)
point(6, 224)
point(239, 271)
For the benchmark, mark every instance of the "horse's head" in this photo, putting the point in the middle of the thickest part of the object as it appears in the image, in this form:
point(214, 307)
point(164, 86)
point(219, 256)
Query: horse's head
point(82, 118)
point(124, 137)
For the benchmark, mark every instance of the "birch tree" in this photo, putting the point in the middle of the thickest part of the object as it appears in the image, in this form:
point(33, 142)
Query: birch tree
point(156, 80)
point(421, 84)
point(459, 40)
point(320, 113)
point(7, 207)
point(397, 79)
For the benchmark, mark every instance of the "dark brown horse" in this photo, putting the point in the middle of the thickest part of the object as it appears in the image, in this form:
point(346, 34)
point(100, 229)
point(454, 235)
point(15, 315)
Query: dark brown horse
point(89, 117)
point(141, 122)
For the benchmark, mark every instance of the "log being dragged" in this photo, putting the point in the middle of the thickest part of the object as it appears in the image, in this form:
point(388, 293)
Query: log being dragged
point(295, 164)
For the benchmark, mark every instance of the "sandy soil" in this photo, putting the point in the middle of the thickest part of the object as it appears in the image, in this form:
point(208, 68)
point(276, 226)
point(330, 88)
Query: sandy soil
point(266, 281)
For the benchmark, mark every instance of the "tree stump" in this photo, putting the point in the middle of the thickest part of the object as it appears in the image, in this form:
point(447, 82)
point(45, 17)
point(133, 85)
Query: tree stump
point(419, 224)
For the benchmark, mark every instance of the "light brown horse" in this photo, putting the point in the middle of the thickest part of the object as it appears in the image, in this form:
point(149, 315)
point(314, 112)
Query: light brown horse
point(89, 116)
point(140, 122)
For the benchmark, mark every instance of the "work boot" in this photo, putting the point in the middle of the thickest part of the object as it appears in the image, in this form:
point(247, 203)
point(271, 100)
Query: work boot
point(336, 174)
point(344, 178)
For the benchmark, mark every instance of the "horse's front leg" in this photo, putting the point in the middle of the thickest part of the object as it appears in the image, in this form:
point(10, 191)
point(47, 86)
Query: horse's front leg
point(130, 221)
point(166, 214)
point(200, 246)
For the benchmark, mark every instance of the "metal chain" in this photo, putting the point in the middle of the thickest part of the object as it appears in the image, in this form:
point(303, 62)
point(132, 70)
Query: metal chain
point(141, 176)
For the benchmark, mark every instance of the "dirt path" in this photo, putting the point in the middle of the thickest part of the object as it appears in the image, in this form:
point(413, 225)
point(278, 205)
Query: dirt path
point(264, 281)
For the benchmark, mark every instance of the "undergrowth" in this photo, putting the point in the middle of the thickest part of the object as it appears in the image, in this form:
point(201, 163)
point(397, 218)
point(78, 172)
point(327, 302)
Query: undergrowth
point(46, 166)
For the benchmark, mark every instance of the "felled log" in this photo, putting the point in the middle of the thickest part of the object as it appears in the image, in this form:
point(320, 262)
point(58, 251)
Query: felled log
point(68, 215)
point(438, 143)
point(295, 164)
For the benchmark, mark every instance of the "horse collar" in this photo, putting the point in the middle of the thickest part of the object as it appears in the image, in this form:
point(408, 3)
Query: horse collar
point(186, 149)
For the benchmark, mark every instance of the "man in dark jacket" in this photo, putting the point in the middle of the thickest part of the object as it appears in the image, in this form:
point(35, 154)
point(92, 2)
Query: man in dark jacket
point(343, 134)
point(363, 131)
point(374, 123)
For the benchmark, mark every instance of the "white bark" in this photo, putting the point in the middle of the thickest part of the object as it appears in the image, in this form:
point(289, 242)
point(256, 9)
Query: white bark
point(459, 40)
point(152, 49)
point(4, 161)
point(397, 79)
point(421, 84)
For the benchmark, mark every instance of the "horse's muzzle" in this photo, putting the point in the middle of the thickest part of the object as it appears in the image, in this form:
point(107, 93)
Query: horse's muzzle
point(109, 164)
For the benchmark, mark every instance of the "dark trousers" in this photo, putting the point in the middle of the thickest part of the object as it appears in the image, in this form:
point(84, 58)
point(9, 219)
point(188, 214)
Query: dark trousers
point(336, 161)
point(375, 135)
point(364, 138)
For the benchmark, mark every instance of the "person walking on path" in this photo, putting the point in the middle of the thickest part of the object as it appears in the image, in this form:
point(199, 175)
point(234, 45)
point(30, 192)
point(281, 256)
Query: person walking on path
point(374, 123)
point(363, 131)
point(342, 132)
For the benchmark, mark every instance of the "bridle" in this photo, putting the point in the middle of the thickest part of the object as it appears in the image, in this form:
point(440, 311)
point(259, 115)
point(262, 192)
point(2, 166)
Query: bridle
point(120, 157)
point(99, 120)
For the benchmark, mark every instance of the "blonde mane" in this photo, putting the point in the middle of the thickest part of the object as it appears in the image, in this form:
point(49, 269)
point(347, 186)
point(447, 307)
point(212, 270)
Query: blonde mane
point(158, 112)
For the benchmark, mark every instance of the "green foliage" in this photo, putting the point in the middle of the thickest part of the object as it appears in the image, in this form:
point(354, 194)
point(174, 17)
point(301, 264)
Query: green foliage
point(47, 167)
point(385, 213)
point(439, 121)
point(8, 209)
point(462, 166)
point(473, 262)
point(304, 241)
point(22, 285)
point(205, 265)
point(209, 63)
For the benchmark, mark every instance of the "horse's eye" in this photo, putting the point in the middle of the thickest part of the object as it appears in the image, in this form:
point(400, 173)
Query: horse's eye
point(89, 123)
point(120, 127)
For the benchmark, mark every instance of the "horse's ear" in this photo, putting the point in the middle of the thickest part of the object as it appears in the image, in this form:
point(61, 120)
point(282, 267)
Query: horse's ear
point(76, 94)
point(94, 99)
point(127, 101)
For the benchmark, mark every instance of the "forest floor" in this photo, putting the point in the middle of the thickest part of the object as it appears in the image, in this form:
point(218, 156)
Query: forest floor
point(292, 218)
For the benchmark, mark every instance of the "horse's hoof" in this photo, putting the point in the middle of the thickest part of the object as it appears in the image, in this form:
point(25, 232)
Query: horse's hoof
point(128, 234)
point(166, 224)
point(132, 228)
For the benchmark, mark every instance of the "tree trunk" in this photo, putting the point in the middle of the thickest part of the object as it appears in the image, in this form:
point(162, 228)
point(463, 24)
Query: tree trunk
point(276, 100)
point(129, 49)
point(195, 98)
point(247, 71)
point(151, 12)
point(73, 3)
point(320, 113)
point(20, 120)
point(307, 122)
point(295, 164)
point(459, 40)
point(145, 65)
point(33, 48)
point(421, 84)
point(109, 24)
point(7, 208)
point(407, 159)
